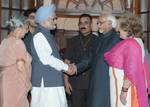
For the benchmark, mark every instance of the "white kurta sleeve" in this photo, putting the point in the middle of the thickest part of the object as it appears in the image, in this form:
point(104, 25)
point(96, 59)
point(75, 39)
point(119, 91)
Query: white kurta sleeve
point(44, 52)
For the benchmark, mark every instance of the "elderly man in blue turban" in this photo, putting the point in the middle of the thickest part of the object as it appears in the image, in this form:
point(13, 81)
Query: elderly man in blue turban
point(47, 66)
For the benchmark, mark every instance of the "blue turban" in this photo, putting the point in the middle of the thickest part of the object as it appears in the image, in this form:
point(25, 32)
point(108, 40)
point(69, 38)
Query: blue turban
point(44, 12)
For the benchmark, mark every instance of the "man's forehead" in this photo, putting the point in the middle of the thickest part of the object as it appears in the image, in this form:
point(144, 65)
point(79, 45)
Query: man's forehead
point(103, 18)
point(53, 15)
point(84, 19)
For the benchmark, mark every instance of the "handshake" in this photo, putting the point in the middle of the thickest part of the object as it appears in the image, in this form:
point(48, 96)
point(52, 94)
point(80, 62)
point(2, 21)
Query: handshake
point(72, 69)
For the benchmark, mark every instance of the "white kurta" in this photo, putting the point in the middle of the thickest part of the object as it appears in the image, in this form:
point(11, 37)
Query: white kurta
point(116, 82)
point(48, 96)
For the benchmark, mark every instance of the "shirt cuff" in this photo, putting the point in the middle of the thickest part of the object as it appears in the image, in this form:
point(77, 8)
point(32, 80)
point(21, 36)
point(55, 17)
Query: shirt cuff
point(65, 67)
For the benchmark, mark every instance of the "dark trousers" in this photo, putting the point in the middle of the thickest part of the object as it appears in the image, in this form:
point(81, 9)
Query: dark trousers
point(78, 98)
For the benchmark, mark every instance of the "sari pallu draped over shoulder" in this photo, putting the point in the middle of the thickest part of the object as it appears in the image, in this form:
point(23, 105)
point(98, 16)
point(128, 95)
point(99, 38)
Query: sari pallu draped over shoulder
point(11, 50)
point(127, 55)
point(7, 56)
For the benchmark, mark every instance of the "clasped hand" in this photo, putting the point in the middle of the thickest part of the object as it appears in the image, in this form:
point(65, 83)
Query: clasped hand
point(72, 69)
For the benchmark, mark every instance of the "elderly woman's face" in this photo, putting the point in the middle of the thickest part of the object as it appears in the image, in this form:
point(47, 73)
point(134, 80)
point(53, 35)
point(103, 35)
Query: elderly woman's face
point(21, 31)
point(123, 34)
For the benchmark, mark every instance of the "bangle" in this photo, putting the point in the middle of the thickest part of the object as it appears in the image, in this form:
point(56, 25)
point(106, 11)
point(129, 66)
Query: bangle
point(124, 89)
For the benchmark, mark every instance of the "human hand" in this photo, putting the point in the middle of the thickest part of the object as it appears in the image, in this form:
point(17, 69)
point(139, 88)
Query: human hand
point(67, 61)
point(72, 69)
point(68, 87)
point(123, 97)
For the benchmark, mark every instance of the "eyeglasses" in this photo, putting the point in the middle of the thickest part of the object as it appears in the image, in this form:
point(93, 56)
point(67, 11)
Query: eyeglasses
point(53, 18)
point(101, 22)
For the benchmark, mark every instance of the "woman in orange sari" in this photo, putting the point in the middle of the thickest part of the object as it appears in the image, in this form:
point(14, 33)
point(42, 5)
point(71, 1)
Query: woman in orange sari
point(15, 64)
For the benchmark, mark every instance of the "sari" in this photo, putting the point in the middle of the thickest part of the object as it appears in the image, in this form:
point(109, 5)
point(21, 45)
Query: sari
point(128, 59)
point(14, 84)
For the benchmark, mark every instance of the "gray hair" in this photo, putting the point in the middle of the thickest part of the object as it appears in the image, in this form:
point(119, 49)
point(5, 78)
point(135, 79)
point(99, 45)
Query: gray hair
point(15, 21)
point(112, 18)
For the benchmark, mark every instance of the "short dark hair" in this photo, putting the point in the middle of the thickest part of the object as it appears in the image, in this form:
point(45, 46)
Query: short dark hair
point(28, 12)
point(85, 15)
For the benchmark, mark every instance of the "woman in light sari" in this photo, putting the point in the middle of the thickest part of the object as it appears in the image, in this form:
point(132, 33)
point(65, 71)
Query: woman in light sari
point(15, 64)
point(129, 70)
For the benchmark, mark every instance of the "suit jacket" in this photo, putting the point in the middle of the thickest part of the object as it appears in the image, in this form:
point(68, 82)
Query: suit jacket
point(76, 48)
point(98, 95)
